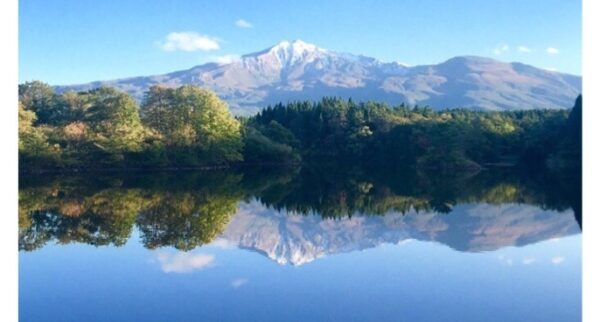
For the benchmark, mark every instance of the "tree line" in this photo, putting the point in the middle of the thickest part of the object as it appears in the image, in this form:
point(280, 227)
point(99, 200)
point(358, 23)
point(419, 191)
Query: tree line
point(375, 134)
point(191, 127)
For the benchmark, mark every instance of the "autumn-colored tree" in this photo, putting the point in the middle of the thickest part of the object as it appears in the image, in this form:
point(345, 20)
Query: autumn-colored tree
point(33, 142)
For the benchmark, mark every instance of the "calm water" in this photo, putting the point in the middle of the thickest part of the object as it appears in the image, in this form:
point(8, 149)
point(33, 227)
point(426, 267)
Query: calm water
point(300, 245)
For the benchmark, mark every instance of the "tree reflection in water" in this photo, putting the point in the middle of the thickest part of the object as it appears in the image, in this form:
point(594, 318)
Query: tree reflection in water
point(188, 209)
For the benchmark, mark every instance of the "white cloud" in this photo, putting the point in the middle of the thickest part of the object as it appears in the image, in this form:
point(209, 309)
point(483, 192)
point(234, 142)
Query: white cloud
point(238, 282)
point(184, 262)
point(557, 260)
point(501, 49)
point(223, 243)
point(405, 241)
point(551, 69)
point(552, 50)
point(189, 41)
point(225, 59)
point(243, 24)
point(505, 260)
point(524, 49)
point(528, 260)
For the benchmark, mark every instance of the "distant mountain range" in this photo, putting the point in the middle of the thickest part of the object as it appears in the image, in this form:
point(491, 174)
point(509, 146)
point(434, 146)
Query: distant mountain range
point(296, 239)
point(298, 71)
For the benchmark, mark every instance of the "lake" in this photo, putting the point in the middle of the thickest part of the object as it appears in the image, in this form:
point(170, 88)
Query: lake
point(301, 244)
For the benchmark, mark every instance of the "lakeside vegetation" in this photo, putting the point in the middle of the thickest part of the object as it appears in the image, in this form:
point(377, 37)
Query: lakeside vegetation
point(189, 127)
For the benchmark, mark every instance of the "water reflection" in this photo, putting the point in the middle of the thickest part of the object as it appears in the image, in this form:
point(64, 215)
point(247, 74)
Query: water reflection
point(184, 262)
point(296, 215)
point(297, 240)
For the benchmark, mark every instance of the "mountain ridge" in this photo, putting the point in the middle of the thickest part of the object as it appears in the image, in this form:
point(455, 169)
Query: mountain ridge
point(298, 71)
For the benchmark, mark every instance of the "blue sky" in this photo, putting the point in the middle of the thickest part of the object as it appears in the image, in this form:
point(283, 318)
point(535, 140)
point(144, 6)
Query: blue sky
point(74, 41)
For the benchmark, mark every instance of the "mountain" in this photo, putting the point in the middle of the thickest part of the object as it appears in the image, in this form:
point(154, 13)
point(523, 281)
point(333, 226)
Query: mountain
point(298, 70)
point(289, 238)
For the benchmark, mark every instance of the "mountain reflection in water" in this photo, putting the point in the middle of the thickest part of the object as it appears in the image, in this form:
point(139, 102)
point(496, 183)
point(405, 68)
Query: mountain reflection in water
point(294, 216)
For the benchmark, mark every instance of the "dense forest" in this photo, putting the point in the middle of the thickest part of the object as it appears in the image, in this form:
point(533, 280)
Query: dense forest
point(190, 127)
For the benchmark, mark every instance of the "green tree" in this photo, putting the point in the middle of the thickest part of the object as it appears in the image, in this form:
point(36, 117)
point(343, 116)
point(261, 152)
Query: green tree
point(115, 122)
point(40, 98)
point(195, 120)
point(217, 131)
point(158, 110)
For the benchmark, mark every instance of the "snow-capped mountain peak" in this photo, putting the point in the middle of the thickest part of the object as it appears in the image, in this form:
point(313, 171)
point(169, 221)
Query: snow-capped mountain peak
point(298, 70)
point(291, 52)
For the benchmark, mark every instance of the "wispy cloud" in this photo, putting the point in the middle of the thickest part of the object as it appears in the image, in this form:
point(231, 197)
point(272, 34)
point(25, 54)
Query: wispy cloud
point(557, 260)
point(184, 262)
point(238, 282)
point(223, 243)
point(225, 59)
point(524, 49)
point(528, 260)
point(505, 260)
point(189, 41)
point(552, 50)
point(501, 49)
point(405, 241)
point(243, 24)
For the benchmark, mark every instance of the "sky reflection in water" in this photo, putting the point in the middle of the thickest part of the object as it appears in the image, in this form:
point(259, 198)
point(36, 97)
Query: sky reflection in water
point(485, 259)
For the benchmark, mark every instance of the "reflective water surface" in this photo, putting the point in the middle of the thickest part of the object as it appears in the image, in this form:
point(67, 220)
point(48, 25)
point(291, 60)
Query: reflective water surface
point(300, 245)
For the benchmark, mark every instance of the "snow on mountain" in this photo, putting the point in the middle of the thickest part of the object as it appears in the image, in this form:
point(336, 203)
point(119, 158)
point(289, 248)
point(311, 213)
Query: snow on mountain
point(298, 70)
